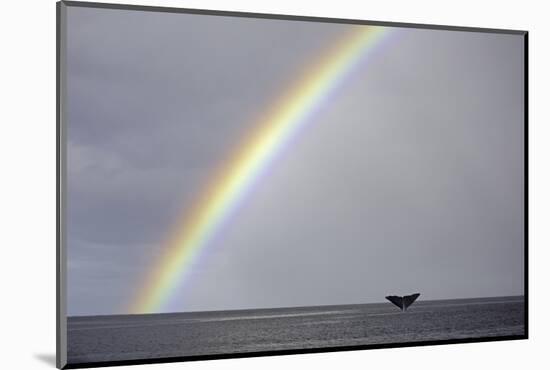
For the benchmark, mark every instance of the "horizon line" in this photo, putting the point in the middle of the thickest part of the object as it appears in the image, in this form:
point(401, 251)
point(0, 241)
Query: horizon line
point(289, 307)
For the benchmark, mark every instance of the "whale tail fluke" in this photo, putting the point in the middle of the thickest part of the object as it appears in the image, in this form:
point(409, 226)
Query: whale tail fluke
point(403, 302)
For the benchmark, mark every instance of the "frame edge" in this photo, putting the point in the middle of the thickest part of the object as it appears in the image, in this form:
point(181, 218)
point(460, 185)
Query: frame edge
point(61, 273)
point(288, 17)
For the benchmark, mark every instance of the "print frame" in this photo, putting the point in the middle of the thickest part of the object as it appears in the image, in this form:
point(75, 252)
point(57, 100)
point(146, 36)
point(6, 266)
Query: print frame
point(61, 255)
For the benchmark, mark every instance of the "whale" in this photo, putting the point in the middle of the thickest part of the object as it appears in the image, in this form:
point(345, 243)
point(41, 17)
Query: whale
point(403, 302)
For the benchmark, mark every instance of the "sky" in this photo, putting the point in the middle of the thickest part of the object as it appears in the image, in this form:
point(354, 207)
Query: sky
point(409, 179)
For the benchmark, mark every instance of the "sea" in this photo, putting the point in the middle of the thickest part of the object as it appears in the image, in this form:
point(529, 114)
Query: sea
point(156, 336)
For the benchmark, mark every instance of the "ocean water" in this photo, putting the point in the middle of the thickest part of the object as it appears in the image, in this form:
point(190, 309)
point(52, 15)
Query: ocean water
point(126, 337)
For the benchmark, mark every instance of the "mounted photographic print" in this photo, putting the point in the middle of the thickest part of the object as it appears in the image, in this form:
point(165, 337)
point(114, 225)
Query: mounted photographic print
point(237, 184)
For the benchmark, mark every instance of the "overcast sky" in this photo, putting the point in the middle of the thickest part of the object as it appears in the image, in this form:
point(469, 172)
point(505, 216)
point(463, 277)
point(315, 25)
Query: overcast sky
point(409, 179)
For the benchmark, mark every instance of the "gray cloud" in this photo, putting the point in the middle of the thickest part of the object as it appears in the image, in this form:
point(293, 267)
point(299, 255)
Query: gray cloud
point(409, 178)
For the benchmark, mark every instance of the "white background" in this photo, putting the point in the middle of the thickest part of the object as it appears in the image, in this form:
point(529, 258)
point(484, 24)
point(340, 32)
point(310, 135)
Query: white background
point(27, 196)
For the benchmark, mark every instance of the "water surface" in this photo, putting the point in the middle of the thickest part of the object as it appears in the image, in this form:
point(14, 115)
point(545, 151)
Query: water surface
point(128, 337)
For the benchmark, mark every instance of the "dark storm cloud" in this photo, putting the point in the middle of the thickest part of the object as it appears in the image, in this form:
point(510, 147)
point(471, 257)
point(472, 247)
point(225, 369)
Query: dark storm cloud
point(409, 179)
point(136, 79)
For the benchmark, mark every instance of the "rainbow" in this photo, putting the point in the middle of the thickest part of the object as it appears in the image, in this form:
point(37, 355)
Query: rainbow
point(228, 187)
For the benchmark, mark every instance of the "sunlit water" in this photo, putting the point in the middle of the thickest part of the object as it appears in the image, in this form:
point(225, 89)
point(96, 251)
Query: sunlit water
point(125, 337)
